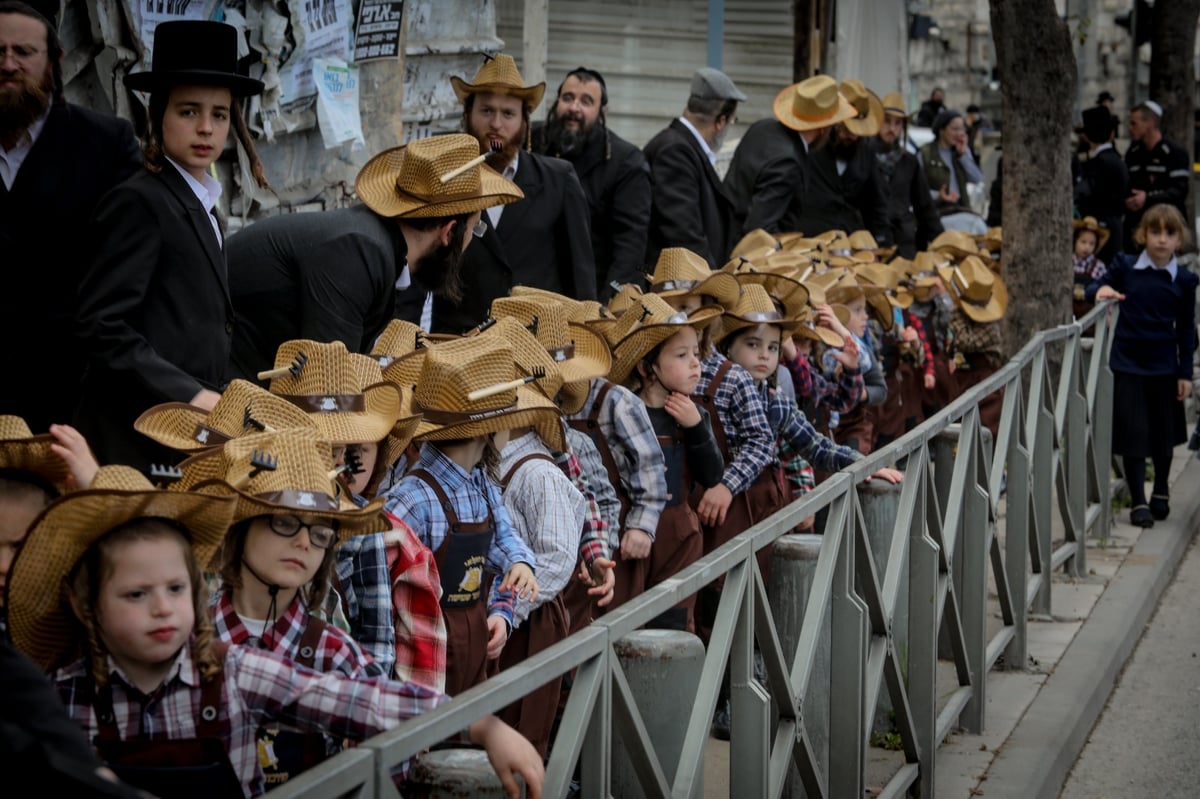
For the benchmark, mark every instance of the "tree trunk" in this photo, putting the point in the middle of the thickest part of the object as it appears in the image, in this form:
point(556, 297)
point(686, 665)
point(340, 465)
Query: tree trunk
point(802, 14)
point(1037, 79)
point(1172, 80)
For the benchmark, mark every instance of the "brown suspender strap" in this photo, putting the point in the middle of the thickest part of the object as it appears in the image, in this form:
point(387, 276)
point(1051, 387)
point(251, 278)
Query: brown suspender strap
point(532, 456)
point(306, 653)
point(447, 508)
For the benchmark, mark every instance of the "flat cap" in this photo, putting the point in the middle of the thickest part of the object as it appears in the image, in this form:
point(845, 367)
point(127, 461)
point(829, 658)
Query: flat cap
point(713, 84)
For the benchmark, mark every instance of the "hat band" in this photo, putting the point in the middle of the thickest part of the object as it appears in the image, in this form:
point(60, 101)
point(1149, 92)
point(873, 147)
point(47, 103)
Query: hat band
point(674, 285)
point(431, 198)
point(762, 317)
point(560, 354)
point(968, 300)
point(299, 500)
point(815, 117)
point(328, 403)
point(891, 109)
point(209, 435)
point(444, 417)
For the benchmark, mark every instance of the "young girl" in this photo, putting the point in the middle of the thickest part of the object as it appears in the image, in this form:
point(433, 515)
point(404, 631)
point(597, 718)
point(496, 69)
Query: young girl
point(154, 308)
point(171, 710)
point(1151, 356)
point(1089, 240)
point(854, 428)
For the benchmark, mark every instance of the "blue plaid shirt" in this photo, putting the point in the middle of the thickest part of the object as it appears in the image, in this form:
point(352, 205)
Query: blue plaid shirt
point(415, 504)
point(749, 436)
point(792, 427)
point(366, 589)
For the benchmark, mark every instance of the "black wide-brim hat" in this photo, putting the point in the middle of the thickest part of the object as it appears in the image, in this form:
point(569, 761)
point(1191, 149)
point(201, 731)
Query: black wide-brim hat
point(195, 53)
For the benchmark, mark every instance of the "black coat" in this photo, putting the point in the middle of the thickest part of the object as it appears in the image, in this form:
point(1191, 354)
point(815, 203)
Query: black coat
point(1100, 191)
point(616, 182)
point(543, 241)
point(79, 156)
point(853, 200)
point(1164, 172)
point(766, 179)
point(327, 276)
point(914, 221)
point(154, 312)
point(690, 205)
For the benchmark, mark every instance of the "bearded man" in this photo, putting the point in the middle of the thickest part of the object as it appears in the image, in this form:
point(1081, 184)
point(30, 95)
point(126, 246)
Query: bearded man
point(56, 161)
point(542, 240)
point(913, 219)
point(613, 172)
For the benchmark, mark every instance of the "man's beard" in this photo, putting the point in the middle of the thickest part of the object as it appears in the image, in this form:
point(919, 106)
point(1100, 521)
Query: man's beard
point(561, 139)
point(888, 146)
point(21, 107)
point(498, 161)
point(843, 150)
point(440, 271)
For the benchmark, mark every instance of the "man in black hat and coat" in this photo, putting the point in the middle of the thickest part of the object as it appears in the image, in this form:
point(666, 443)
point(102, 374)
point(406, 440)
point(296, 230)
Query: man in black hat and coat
point(1103, 180)
point(1160, 170)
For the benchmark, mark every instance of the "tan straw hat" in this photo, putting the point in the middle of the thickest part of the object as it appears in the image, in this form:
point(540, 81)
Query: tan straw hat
point(243, 408)
point(868, 108)
point(755, 244)
point(39, 617)
point(756, 307)
point(645, 327)
point(976, 289)
point(781, 287)
point(398, 339)
point(499, 75)
point(893, 105)
point(886, 277)
point(419, 180)
point(627, 296)
point(580, 311)
point(452, 371)
point(531, 358)
point(958, 244)
point(1089, 223)
point(323, 380)
point(22, 451)
point(809, 328)
point(680, 272)
point(812, 104)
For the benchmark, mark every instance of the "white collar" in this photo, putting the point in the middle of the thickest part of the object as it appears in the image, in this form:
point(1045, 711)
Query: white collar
point(31, 133)
point(1106, 146)
point(207, 191)
point(1144, 262)
point(712, 157)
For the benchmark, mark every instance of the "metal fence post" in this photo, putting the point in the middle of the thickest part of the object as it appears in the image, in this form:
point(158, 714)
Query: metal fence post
point(944, 447)
point(880, 502)
point(975, 538)
point(847, 736)
point(923, 600)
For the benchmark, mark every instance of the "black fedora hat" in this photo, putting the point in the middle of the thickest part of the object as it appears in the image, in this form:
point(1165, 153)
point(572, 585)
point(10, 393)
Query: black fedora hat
point(198, 53)
point(1097, 124)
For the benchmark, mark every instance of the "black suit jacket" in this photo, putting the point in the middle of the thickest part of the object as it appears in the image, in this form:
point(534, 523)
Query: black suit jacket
point(1100, 191)
point(690, 207)
point(154, 312)
point(914, 220)
point(766, 179)
point(853, 200)
point(542, 240)
point(79, 156)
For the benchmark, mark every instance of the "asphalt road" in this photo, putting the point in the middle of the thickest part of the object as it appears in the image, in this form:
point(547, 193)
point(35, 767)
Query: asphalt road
point(1147, 741)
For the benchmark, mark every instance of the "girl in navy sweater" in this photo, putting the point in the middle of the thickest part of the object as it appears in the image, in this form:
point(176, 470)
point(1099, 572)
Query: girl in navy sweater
point(1151, 356)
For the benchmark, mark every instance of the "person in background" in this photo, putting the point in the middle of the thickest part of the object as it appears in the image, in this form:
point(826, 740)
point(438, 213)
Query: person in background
point(951, 167)
point(1159, 170)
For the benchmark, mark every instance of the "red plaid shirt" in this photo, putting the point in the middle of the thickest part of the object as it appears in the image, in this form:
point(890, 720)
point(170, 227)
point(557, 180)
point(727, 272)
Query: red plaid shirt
point(593, 541)
point(416, 609)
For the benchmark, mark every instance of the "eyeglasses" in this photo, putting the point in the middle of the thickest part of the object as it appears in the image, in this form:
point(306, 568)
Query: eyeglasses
point(479, 229)
point(21, 53)
point(321, 535)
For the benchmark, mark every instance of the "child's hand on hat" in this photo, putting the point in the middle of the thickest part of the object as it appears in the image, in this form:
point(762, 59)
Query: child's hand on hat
point(847, 356)
point(601, 578)
point(72, 447)
point(520, 580)
point(714, 505)
point(682, 409)
point(1109, 293)
point(635, 544)
point(205, 399)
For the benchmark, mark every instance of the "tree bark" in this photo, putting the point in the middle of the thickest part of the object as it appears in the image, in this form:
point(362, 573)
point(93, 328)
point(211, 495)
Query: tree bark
point(1172, 79)
point(1037, 78)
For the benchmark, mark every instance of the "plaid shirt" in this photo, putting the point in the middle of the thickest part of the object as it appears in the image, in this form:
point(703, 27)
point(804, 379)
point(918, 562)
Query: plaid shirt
point(580, 465)
point(259, 687)
point(800, 436)
point(626, 427)
point(743, 416)
point(473, 495)
point(416, 609)
point(336, 651)
point(914, 321)
point(549, 512)
point(362, 576)
point(839, 396)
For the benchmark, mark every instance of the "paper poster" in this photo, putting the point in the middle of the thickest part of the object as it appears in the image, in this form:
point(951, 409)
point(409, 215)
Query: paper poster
point(337, 102)
point(377, 32)
point(321, 29)
point(151, 12)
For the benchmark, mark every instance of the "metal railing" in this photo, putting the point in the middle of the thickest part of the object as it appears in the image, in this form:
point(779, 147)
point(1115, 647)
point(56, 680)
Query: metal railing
point(1053, 441)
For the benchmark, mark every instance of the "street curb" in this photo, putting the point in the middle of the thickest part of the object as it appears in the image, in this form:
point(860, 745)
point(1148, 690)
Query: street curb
point(1036, 758)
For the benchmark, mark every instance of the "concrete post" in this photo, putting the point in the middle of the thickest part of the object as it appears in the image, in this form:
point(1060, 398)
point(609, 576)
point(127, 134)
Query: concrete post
point(793, 566)
point(663, 669)
point(880, 502)
point(455, 774)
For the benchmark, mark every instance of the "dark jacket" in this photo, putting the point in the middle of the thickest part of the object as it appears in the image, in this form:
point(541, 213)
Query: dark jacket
point(154, 312)
point(1100, 191)
point(691, 208)
point(616, 182)
point(937, 173)
point(327, 276)
point(543, 241)
point(79, 156)
point(1164, 172)
point(766, 179)
point(853, 200)
point(913, 220)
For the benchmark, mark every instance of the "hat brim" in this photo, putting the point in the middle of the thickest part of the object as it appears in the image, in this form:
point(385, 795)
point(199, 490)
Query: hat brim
point(783, 112)
point(530, 95)
point(149, 81)
point(592, 356)
point(531, 409)
point(38, 616)
point(870, 124)
point(352, 520)
point(376, 187)
point(1101, 233)
point(633, 347)
point(991, 311)
point(373, 424)
point(822, 334)
point(721, 286)
point(34, 454)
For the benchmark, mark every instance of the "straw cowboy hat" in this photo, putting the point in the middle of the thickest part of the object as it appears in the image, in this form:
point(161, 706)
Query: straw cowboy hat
point(499, 75)
point(755, 244)
point(423, 179)
point(643, 328)
point(893, 105)
point(812, 104)
point(756, 307)
point(868, 108)
point(626, 296)
point(848, 287)
point(959, 244)
point(452, 370)
point(993, 240)
point(398, 339)
point(578, 311)
point(579, 353)
point(242, 409)
point(886, 277)
point(398, 438)
point(322, 380)
point(809, 329)
point(22, 451)
point(289, 471)
point(680, 272)
point(39, 618)
point(976, 289)
point(1090, 223)
point(531, 358)
point(781, 287)
point(194, 53)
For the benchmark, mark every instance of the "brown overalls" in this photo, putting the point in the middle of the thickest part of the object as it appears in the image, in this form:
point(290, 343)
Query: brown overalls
point(677, 541)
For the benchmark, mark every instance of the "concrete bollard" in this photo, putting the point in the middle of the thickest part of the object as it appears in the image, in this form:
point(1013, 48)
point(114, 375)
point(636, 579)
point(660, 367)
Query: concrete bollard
point(456, 774)
point(663, 669)
point(880, 503)
point(793, 566)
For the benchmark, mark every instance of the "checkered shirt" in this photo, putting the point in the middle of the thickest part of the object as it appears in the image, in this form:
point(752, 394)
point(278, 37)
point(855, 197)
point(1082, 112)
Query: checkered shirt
point(586, 470)
point(362, 574)
point(743, 416)
point(416, 610)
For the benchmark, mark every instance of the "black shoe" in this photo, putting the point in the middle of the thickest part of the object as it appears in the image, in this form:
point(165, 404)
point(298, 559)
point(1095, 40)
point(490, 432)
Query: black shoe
point(1160, 506)
point(1141, 517)
point(721, 721)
